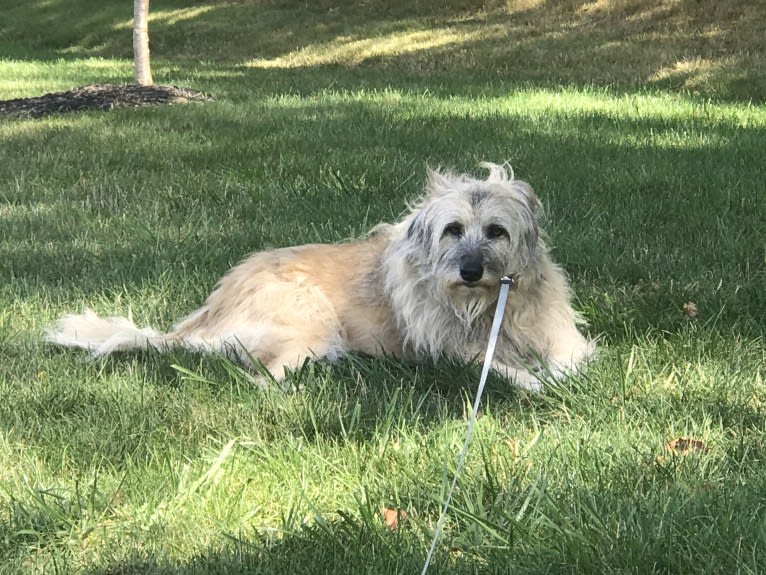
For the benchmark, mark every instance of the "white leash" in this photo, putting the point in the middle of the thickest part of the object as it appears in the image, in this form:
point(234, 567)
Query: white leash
point(506, 282)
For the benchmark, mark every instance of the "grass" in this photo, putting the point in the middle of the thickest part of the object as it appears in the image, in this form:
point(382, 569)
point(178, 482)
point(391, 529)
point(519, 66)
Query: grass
point(639, 123)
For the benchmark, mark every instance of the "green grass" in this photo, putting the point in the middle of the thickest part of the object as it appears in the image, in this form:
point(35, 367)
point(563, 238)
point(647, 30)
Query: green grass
point(640, 125)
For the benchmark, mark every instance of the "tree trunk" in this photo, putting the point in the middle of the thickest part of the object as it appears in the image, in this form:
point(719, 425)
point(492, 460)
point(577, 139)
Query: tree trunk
point(141, 67)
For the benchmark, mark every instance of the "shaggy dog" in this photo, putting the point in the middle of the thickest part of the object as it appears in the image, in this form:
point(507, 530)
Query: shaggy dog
point(425, 287)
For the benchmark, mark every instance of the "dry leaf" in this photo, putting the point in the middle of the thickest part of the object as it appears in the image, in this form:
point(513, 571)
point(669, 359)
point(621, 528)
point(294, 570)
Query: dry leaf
point(684, 445)
point(392, 517)
point(690, 309)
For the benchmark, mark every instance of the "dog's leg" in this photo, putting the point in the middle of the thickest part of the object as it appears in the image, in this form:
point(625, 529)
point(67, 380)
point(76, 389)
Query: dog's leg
point(278, 347)
point(568, 350)
point(291, 353)
point(548, 326)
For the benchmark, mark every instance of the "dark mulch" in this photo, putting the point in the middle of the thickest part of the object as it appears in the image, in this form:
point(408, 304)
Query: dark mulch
point(97, 97)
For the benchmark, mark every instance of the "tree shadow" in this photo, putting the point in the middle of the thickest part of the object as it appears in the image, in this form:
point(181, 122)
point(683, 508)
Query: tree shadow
point(625, 46)
point(697, 46)
point(650, 203)
point(656, 516)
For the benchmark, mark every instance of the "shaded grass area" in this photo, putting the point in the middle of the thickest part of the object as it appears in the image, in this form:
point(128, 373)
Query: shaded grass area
point(553, 481)
point(702, 47)
point(181, 464)
point(284, 171)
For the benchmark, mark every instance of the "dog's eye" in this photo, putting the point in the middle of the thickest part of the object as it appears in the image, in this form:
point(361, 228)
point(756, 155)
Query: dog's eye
point(495, 232)
point(454, 229)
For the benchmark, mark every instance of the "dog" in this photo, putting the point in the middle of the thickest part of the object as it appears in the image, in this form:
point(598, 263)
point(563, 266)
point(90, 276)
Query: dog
point(424, 287)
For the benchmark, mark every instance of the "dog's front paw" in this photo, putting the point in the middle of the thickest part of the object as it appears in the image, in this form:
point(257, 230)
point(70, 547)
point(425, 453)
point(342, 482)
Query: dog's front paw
point(528, 382)
point(520, 377)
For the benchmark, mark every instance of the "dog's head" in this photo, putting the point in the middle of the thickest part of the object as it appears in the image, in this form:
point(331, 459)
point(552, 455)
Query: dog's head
point(468, 233)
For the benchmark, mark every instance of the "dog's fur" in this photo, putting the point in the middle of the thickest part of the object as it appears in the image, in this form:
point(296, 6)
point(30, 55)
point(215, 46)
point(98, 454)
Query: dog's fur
point(423, 287)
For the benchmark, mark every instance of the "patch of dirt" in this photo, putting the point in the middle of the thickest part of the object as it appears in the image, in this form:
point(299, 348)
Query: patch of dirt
point(97, 97)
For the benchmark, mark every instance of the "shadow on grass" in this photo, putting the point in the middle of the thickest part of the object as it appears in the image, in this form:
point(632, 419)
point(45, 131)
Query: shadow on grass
point(355, 400)
point(700, 46)
point(68, 234)
point(689, 527)
point(136, 403)
point(680, 513)
point(334, 547)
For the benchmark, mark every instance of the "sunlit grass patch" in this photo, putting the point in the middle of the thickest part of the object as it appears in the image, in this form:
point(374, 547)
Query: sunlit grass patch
point(27, 78)
point(352, 51)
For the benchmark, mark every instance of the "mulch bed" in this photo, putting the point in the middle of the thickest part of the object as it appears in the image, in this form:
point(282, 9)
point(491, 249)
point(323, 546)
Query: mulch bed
point(97, 97)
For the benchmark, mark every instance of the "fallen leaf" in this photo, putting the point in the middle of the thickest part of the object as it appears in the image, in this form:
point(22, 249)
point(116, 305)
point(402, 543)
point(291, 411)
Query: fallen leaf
point(684, 445)
point(690, 309)
point(392, 517)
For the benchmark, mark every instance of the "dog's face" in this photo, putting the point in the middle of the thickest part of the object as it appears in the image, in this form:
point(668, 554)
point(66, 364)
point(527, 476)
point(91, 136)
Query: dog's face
point(473, 232)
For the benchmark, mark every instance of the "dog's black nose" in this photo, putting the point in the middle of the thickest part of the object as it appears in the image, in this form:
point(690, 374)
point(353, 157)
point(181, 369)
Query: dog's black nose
point(471, 271)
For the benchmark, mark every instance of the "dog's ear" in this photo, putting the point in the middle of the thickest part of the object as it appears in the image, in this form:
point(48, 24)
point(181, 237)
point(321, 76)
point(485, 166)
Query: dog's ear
point(525, 192)
point(418, 231)
point(438, 183)
point(503, 175)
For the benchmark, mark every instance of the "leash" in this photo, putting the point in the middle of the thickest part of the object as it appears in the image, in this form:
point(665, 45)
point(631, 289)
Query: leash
point(506, 283)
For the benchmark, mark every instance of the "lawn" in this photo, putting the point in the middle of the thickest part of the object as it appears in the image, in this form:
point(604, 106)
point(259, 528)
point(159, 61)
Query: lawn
point(640, 123)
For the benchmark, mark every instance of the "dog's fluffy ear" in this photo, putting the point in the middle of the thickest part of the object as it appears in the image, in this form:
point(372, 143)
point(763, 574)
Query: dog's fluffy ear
point(525, 191)
point(532, 239)
point(418, 231)
point(438, 183)
point(498, 172)
point(524, 194)
point(503, 174)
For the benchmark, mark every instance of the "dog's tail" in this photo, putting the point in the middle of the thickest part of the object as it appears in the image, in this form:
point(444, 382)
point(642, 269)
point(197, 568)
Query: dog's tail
point(104, 335)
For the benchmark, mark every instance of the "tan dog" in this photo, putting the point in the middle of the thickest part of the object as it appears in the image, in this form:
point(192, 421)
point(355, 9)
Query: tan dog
point(424, 287)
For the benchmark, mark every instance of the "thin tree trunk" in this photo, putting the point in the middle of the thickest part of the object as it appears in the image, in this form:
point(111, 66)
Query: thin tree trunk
point(142, 69)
